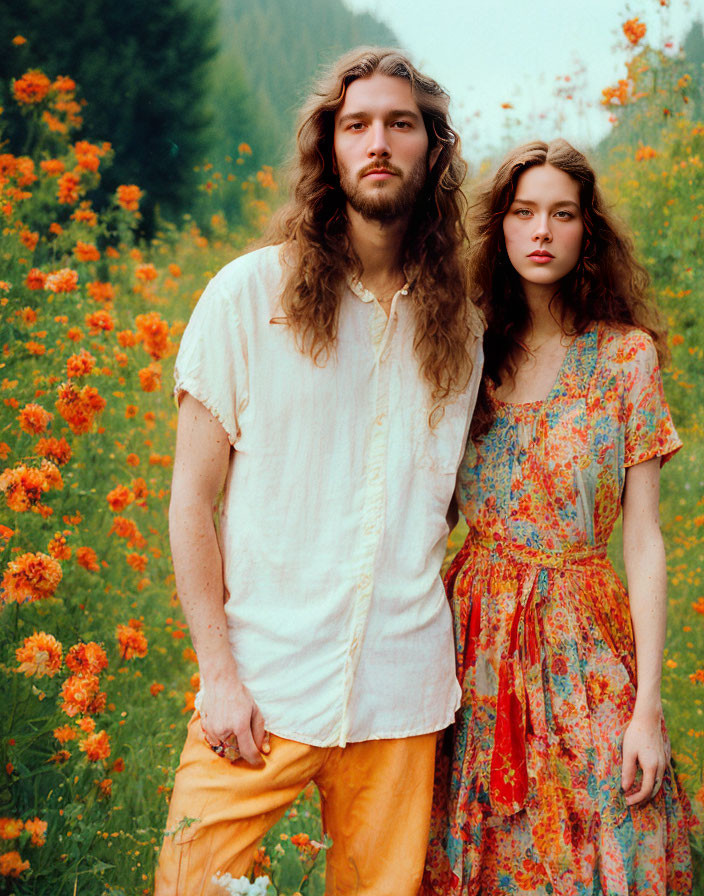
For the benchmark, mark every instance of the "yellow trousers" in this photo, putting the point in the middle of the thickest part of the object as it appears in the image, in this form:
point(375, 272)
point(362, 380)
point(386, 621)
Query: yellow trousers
point(375, 796)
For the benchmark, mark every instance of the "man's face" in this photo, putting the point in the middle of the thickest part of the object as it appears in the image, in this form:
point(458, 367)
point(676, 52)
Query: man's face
point(381, 147)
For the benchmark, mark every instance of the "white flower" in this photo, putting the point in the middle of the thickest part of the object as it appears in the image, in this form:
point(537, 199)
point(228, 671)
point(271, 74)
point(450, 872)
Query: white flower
point(241, 886)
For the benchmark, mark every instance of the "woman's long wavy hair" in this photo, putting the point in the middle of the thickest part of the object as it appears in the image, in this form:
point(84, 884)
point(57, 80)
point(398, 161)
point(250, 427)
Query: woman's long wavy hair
point(313, 228)
point(608, 283)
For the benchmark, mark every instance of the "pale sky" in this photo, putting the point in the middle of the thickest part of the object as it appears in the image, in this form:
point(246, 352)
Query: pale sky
point(519, 52)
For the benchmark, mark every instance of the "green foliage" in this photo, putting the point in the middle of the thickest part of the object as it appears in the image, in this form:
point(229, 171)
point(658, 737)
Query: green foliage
point(143, 70)
point(280, 45)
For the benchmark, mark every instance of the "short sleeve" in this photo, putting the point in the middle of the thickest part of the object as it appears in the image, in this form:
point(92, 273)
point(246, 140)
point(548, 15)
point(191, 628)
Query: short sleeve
point(211, 362)
point(650, 431)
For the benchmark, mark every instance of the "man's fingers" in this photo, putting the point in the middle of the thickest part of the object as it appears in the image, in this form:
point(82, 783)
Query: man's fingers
point(248, 748)
point(258, 732)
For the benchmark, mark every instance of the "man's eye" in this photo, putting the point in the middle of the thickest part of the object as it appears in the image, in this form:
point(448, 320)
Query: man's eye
point(356, 126)
point(402, 124)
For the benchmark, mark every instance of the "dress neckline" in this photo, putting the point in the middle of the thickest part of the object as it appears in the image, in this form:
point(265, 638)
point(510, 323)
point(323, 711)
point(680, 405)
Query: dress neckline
point(541, 402)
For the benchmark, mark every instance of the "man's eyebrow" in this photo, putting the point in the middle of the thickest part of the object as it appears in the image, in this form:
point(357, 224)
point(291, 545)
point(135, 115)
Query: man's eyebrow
point(393, 113)
point(520, 201)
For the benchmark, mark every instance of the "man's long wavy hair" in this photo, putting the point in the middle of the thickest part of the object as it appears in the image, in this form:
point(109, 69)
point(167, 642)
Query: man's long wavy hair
point(608, 283)
point(317, 252)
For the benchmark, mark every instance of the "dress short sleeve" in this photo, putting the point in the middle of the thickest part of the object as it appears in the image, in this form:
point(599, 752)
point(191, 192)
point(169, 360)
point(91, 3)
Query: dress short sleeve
point(650, 431)
point(211, 362)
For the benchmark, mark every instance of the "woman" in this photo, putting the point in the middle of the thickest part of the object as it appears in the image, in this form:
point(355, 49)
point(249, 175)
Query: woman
point(558, 779)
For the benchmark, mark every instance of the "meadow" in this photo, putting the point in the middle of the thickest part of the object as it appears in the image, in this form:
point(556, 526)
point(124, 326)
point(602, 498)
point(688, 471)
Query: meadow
point(97, 672)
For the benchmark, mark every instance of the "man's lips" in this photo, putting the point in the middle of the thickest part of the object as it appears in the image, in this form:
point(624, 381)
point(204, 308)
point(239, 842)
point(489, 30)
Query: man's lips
point(377, 172)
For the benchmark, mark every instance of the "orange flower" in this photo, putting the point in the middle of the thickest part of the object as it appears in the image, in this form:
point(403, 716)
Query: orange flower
point(105, 787)
point(85, 215)
point(31, 88)
point(37, 828)
point(80, 365)
point(35, 348)
point(174, 270)
point(146, 272)
point(86, 251)
point(81, 694)
point(29, 239)
point(87, 725)
point(131, 411)
point(18, 40)
point(57, 450)
point(189, 702)
point(127, 338)
point(88, 155)
point(87, 658)
point(4, 450)
point(100, 320)
point(96, 746)
point(156, 688)
point(128, 196)
point(10, 828)
point(35, 279)
point(65, 733)
point(74, 334)
point(128, 530)
point(34, 419)
point(153, 333)
point(40, 655)
point(634, 30)
point(139, 489)
point(150, 377)
point(69, 188)
point(138, 562)
point(58, 547)
point(11, 864)
point(87, 558)
point(25, 486)
point(119, 498)
point(6, 533)
point(30, 577)
point(644, 153)
point(64, 280)
point(28, 315)
point(60, 757)
point(79, 408)
point(52, 167)
point(244, 149)
point(118, 765)
point(100, 292)
point(132, 460)
point(131, 642)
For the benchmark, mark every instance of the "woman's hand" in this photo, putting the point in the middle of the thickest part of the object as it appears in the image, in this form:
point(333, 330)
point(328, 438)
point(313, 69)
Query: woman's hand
point(643, 747)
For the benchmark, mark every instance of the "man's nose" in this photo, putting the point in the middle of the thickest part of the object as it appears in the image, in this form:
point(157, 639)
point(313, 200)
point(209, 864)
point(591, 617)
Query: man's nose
point(378, 141)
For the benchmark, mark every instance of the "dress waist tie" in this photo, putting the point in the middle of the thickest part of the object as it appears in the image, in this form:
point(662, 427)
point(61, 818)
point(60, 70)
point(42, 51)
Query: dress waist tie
point(508, 782)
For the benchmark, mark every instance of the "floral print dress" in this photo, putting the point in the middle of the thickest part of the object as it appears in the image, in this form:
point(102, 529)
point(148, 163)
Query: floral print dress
point(528, 795)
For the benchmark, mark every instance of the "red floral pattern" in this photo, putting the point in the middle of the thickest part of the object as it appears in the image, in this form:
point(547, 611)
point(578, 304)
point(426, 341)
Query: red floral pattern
point(528, 793)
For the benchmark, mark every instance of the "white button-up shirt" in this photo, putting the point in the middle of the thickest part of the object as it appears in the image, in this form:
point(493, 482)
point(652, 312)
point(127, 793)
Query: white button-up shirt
point(333, 523)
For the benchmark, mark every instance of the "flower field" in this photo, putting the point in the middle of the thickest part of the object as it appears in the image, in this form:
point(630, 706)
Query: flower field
point(96, 668)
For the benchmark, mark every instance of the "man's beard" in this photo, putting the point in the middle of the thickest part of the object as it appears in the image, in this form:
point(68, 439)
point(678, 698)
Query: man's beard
point(378, 204)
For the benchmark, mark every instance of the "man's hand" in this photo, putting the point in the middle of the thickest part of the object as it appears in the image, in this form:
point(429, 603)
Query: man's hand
point(643, 746)
point(229, 715)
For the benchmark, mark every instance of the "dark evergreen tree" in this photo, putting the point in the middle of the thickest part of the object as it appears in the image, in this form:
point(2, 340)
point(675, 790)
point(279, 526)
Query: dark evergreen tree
point(143, 69)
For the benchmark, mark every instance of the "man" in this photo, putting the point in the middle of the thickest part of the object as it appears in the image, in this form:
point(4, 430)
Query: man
point(327, 382)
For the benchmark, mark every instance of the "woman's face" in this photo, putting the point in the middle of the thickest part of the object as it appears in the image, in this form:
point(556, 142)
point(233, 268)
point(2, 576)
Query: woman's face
point(543, 228)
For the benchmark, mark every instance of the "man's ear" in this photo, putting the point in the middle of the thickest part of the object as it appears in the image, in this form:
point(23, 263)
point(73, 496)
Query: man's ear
point(434, 155)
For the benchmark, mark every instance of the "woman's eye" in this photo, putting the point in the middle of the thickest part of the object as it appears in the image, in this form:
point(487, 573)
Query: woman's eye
point(523, 212)
point(564, 215)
